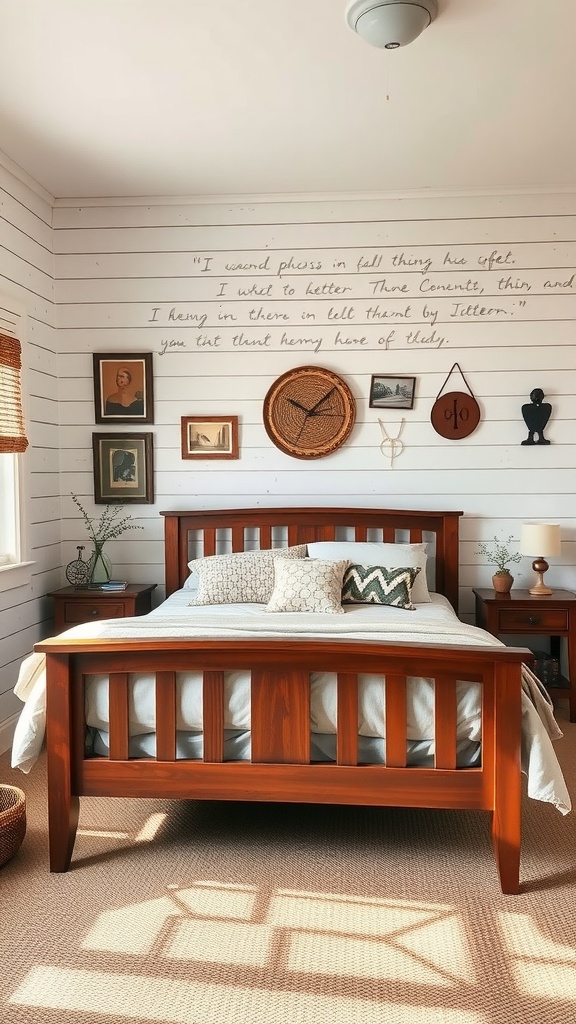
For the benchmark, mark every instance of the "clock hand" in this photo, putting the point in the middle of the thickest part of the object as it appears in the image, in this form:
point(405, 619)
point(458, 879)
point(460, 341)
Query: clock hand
point(323, 399)
point(298, 406)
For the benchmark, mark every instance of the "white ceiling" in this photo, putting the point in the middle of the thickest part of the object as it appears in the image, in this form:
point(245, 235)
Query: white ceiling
point(227, 97)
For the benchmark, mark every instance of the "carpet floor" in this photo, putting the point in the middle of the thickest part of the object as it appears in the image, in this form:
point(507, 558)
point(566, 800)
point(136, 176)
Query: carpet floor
point(204, 913)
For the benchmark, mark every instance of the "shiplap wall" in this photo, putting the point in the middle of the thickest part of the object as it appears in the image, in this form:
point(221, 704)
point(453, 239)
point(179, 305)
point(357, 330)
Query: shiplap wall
point(27, 283)
point(227, 296)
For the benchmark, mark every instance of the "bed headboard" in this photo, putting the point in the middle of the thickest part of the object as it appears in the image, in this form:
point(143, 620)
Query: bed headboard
point(190, 534)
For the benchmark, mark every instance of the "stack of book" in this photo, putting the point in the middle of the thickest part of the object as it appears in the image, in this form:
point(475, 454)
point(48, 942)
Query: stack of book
point(114, 585)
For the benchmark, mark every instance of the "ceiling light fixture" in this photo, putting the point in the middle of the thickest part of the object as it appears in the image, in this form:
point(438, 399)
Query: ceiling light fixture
point(390, 23)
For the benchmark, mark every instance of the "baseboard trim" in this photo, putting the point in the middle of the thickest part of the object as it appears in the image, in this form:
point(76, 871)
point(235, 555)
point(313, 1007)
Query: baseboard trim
point(7, 730)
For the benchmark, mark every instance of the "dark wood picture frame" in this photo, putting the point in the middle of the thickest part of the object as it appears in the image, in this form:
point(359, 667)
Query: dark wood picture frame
point(392, 392)
point(123, 387)
point(209, 437)
point(123, 468)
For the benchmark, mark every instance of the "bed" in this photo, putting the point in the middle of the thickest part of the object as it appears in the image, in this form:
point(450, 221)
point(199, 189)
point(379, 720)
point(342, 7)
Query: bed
point(283, 665)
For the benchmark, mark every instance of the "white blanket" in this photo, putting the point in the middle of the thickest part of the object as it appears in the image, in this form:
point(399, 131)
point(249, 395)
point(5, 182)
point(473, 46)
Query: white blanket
point(431, 623)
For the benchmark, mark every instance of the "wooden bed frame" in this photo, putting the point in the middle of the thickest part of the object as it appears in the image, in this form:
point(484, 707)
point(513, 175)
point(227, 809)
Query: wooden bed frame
point(280, 767)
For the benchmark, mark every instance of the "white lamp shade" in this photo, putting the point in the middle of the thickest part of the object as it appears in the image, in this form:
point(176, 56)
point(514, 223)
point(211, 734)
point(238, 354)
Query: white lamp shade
point(390, 23)
point(540, 539)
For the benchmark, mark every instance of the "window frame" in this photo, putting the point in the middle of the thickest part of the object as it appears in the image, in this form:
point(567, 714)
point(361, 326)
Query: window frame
point(14, 472)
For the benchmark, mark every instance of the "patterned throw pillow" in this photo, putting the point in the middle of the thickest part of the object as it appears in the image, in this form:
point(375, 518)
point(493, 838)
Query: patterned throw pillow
point(375, 584)
point(244, 577)
point(310, 585)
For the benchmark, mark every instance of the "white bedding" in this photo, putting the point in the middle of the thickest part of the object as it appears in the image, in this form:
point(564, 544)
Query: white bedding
point(431, 623)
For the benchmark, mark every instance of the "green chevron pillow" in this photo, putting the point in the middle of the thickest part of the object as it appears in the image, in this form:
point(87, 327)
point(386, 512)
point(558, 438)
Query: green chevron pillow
point(375, 584)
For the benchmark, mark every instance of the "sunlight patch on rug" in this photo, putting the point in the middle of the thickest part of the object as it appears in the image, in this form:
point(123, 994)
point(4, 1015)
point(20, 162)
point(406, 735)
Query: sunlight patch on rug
point(540, 966)
point(173, 1001)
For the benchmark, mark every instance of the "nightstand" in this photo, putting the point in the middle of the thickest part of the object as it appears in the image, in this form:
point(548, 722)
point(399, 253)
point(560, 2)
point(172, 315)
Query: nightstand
point(72, 606)
point(528, 614)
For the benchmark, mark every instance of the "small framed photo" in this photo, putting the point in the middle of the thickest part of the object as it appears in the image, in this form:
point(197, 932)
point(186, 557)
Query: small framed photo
point(123, 387)
point(392, 392)
point(209, 437)
point(123, 468)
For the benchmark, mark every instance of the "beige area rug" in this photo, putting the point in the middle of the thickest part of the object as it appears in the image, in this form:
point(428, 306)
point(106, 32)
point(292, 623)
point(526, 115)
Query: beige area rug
point(192, 913)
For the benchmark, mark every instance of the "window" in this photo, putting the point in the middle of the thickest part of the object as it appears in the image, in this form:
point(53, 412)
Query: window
point(14, 570)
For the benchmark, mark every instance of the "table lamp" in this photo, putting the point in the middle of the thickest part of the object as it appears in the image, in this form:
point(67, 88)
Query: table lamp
point(542, 540)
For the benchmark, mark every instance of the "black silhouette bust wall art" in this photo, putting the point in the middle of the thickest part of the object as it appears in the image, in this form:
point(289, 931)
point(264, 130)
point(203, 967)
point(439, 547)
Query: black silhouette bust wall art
point(536, 416)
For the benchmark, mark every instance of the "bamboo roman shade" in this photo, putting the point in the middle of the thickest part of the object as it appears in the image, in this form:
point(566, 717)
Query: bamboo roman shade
point(12, 432)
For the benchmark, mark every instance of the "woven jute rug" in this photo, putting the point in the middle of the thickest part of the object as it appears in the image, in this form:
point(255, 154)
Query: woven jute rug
point(205, 913)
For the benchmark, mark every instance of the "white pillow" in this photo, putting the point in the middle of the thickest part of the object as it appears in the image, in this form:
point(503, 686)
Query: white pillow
point(308, 585)
point(240, 578)
point(372, 553)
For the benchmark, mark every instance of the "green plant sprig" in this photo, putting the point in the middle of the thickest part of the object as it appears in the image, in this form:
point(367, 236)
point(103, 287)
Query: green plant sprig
point(109, 526)
point(499, 553)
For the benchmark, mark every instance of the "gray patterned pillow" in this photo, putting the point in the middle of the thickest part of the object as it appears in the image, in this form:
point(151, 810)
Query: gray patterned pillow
point(244, 577)
point(310, 585)
point(375, 584)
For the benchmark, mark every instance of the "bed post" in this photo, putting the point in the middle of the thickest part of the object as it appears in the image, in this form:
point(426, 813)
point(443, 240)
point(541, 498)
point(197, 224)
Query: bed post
point(63, 806)
point(506, 816)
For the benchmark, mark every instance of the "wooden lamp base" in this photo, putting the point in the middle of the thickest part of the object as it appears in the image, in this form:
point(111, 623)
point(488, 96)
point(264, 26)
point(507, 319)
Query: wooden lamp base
point(540, 566)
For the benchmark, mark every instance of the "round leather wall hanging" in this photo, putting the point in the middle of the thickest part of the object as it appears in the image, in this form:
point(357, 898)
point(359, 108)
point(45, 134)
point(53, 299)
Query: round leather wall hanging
point(455, 414)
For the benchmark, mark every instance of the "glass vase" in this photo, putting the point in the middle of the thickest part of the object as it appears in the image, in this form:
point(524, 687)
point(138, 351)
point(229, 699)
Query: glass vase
point(100, 566)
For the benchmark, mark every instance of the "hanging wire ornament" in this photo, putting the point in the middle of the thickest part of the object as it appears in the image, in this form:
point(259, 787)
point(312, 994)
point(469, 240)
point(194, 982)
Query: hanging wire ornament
point(395, 445)
point(78, 571)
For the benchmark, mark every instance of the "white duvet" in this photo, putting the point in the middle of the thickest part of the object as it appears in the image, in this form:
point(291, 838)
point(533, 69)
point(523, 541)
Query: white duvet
point(435, 622)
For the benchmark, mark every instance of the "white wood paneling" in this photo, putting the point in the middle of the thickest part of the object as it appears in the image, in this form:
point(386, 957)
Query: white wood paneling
point(26, 278)
point(229, 295)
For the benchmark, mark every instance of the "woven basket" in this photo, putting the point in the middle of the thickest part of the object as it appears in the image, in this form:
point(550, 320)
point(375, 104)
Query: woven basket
point(12, 821)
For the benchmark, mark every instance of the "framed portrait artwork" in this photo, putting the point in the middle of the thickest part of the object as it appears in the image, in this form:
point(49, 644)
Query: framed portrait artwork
point(123, 387)
point(209, 437)
point(392, 392)
point(123, 468)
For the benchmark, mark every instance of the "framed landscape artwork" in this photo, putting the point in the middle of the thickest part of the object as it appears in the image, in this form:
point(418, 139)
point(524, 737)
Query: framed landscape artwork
point(209, 437)
point(392, 392)
point(123, 387)
point(123, 468)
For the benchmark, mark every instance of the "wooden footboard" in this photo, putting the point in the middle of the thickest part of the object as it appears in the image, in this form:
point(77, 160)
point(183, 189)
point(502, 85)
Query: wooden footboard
point(280, 768)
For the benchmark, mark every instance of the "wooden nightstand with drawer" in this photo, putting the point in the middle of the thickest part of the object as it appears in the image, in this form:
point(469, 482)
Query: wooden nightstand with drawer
point(72, 606)
point(527, 614)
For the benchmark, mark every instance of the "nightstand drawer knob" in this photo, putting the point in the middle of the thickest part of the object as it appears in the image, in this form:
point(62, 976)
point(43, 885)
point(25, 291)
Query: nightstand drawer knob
point(94, 611)
point(533, 620)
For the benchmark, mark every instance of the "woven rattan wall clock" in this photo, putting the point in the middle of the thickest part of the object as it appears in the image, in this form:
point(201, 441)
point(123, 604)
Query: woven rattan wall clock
point(309, 412)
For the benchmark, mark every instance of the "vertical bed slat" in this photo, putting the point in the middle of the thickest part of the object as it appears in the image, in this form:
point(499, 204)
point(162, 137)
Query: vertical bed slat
point(165, 716)
point(209, 541)
point(445, 722)
point(395, 704)
point(265, 535)
point(118, 715)
point(280, 717)
point(213, 716)
point(237, 538)
point(347, 719)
